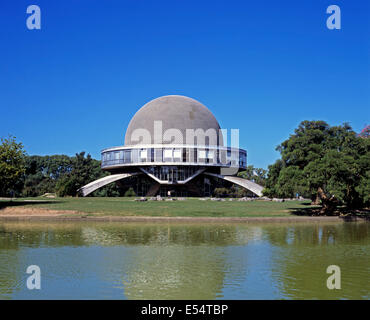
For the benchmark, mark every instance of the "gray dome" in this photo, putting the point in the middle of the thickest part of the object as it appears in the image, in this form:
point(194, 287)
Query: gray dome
point(174, 112)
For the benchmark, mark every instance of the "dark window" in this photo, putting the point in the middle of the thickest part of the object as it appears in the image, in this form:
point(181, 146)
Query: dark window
point(127, 156)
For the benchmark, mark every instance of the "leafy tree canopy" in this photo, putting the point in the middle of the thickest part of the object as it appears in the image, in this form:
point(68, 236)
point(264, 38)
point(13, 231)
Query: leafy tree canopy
point(83, 170)
point(257, 175)
point(330, 164)
point(63, 175)
point(12, 166)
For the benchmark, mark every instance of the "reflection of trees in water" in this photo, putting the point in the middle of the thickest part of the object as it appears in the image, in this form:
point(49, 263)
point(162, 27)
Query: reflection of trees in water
point(9, 275)
point(303, 252)
point(14, 235)
point(159, 234)
point(175, 261)
point(164, 261)
point(15, 238)
point(318, 234)
point(17, 234)
point(151, 261)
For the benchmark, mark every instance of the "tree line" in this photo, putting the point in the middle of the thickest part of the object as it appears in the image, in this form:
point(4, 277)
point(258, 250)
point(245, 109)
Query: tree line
point(22, 175)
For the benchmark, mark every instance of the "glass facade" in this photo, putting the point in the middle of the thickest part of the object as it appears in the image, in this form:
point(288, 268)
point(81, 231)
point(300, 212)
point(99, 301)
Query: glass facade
point(172, 174)
point(217, 156)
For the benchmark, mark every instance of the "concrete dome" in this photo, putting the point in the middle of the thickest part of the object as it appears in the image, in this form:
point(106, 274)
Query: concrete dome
point(174, 112)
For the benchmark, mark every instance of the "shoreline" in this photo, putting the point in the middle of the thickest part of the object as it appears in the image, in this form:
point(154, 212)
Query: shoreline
point(41, 214)
point(150, 219)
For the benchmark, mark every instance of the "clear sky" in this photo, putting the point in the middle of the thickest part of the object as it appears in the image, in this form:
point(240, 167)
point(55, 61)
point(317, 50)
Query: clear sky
point(259, 66)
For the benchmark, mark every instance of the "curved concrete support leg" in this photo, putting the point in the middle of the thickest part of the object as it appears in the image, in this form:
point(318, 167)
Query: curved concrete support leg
point(247, 184)
point(92, 186)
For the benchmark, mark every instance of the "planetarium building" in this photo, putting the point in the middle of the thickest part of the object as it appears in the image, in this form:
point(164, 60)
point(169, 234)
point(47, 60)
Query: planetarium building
point(173, 145)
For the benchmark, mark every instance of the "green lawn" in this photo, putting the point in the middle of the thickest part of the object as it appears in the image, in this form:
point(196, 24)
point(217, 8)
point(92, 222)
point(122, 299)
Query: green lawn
point(191, 207)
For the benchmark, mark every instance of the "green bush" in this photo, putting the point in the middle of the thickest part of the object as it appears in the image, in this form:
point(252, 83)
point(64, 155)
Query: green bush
point(221, 192)
point(130, 193)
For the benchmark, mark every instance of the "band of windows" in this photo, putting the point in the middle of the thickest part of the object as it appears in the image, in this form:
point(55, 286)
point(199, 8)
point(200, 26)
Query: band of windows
point(219, 157)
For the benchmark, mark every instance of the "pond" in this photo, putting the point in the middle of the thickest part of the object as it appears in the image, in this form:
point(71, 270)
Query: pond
point(102, 260)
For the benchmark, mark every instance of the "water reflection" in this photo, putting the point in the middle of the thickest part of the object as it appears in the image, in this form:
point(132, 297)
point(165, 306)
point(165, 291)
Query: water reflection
point(179, 261)
point(303, 254)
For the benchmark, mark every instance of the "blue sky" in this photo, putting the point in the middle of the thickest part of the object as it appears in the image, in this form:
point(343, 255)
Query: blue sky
point(260, 66)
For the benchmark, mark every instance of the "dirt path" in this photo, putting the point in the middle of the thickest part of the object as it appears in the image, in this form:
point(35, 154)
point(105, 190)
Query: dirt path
point(33, 212)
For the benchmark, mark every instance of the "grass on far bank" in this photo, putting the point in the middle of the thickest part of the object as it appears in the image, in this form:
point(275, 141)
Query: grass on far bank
point(191, 207)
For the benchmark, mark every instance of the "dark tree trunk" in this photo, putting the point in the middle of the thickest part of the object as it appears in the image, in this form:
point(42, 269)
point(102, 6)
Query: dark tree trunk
point(328, 204)
point(315, 200)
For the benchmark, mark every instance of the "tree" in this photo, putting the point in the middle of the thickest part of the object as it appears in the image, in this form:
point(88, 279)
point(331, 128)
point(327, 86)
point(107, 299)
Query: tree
point(130, 193)
point(364, 186)
point(83, 170)
point(257, 175)
point(271, 183)
point(328, 164)
point(43, 172)
point(64, 175)
point(12, 166)
point(221, 192)
point(365, 132)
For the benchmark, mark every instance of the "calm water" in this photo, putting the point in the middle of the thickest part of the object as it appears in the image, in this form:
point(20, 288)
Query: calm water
point(179, 261)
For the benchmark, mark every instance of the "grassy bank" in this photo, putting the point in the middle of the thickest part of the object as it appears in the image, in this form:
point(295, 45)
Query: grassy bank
point(187, 208)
